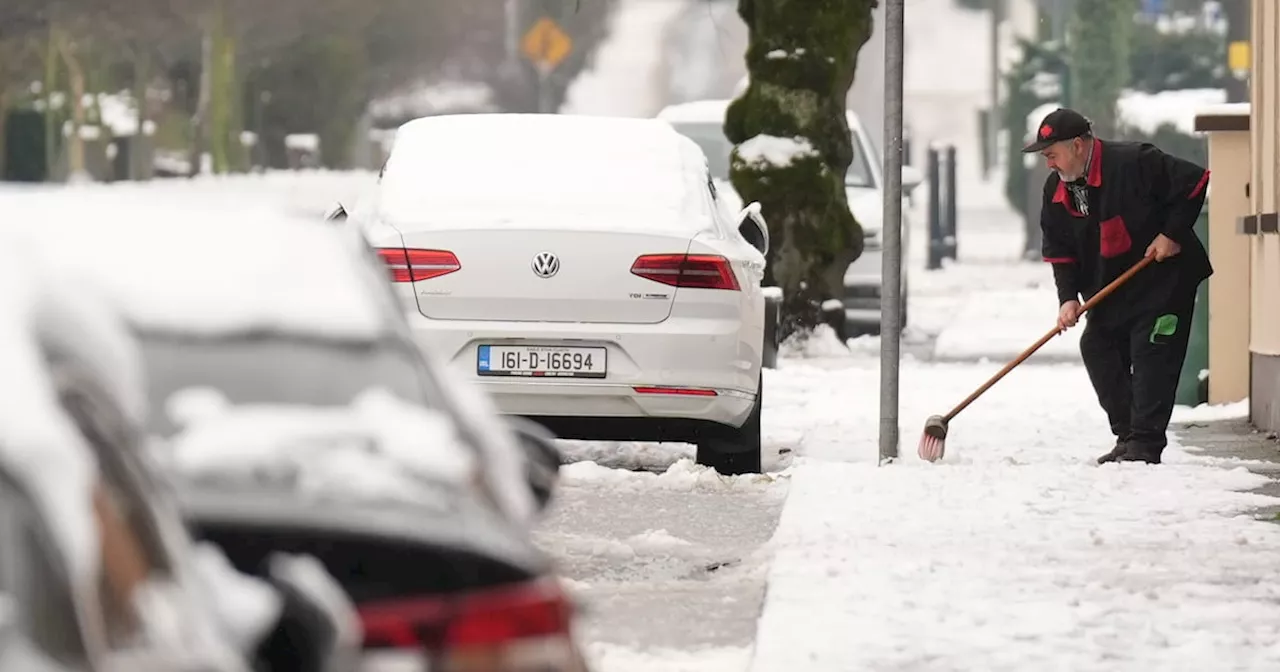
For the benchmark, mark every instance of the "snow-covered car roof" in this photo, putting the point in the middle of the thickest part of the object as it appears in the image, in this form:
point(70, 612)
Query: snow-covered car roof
point(172, 267)
point(511, 163)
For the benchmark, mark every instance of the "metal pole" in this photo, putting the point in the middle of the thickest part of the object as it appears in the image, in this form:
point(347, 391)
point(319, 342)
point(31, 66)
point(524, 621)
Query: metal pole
point(950, 203)
point(544, 91)
point(993, 113)
point(1238, 37)
point(934, 214)
point(891, 269)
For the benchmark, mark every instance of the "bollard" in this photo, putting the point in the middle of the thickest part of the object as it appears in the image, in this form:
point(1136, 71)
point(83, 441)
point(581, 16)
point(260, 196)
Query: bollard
point(949, 205)
point(934, 214)
point(772, 326)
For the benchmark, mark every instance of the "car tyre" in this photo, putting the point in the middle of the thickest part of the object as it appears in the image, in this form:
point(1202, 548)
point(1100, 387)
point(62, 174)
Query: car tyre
point(739, 452)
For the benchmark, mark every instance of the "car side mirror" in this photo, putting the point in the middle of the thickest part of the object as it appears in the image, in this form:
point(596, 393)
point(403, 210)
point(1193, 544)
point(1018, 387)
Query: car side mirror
point(337, 214)
point(753, 228)
point(542, 457)
point(911, 178)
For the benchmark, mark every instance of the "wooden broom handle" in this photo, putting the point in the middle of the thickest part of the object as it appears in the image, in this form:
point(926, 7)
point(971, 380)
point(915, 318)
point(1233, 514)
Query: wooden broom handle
point(1093, 301)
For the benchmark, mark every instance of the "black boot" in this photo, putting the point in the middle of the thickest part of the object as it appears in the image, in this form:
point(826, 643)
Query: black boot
point(1142, 452)
point(1116, 453)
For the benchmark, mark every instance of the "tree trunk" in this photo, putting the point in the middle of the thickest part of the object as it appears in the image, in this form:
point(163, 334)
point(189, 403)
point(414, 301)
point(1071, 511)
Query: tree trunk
point(1099, 57)
point(138, 157)
point(75, 75)
point(4, 120)
point(200, 121)
point(50, 83)
point(222, 87)
point(793, 144)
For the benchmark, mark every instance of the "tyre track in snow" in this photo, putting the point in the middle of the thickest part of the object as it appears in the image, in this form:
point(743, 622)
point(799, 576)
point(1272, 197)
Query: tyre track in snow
point(669, 567)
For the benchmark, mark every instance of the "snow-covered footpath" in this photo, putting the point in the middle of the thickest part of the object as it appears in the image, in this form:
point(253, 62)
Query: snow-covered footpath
point(1015, 552)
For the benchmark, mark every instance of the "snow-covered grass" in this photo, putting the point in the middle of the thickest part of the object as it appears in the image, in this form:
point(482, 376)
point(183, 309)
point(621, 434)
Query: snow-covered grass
point(379, 447)
point(628, 75)
point(422, 98)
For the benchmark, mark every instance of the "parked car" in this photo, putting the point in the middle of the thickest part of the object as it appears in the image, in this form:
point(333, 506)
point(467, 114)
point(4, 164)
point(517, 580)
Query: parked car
point(99, 572)
point(585, 272)
point(284, 316)
point(441, 580)
point(703, 122)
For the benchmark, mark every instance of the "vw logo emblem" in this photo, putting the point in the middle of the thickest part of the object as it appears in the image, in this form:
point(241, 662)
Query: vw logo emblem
point(545, 265)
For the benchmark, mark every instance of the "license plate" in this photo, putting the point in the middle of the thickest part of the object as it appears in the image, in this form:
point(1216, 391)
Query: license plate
point(541, 361)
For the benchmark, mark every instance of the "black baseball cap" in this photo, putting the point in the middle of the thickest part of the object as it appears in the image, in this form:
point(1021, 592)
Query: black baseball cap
point(1060, 124)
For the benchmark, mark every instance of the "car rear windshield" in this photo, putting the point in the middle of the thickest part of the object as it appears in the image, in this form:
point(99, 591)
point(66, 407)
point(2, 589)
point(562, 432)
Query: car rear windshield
point(275, 369)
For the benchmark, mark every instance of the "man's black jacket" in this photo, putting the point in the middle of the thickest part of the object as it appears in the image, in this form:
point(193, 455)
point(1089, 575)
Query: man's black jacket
point(1136, 192)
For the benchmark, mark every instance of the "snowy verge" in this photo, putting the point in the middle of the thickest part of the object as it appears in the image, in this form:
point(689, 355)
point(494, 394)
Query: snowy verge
point(684, 475)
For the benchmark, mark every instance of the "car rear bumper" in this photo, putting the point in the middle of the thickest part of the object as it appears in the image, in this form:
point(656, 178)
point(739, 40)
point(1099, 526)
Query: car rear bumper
point(696, 369)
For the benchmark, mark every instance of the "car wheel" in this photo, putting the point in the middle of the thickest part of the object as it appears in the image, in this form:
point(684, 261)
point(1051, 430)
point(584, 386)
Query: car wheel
point(738, 453)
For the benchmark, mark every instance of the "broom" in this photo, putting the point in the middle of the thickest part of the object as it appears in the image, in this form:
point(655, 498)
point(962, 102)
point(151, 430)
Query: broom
point(933, 439)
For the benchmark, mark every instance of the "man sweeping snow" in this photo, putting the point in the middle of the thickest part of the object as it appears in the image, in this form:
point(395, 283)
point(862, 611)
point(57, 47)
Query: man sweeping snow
point(1106, 205)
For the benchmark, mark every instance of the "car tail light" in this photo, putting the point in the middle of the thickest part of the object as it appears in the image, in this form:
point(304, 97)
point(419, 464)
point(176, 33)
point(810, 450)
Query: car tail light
point(526, 628)
point(410, 265)
point(685, 391)
point(700, 271)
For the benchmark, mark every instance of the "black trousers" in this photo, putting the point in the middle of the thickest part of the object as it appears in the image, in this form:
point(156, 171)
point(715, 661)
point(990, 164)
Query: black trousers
point(1134, 364)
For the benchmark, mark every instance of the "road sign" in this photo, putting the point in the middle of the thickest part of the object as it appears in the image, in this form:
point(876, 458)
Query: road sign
point(546, 44)
point(1239, 58)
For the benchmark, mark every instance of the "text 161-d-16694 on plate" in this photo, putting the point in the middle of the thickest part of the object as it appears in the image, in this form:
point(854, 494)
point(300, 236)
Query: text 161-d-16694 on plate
point(541, 361)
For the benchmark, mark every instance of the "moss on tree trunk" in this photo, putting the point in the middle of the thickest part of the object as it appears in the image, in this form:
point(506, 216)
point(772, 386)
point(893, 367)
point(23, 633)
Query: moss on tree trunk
point(1098, 51)
point(801, 57)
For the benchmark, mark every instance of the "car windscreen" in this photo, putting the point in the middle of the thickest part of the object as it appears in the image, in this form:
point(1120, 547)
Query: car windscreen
point(274, 369)
point(711, 138)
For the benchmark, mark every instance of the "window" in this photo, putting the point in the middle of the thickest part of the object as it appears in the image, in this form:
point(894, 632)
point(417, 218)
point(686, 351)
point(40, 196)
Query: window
point(131, 547)
point(34, 576)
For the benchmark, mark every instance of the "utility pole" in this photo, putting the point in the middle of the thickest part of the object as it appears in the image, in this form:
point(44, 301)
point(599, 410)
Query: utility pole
point(891, 269)
point(1239, 59)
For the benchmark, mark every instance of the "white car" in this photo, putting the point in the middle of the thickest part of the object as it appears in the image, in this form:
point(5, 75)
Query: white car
point(585, 271)
point(703, 122)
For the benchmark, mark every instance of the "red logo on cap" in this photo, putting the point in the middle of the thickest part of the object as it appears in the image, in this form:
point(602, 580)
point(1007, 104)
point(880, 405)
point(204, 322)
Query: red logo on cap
point(1045, 130)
